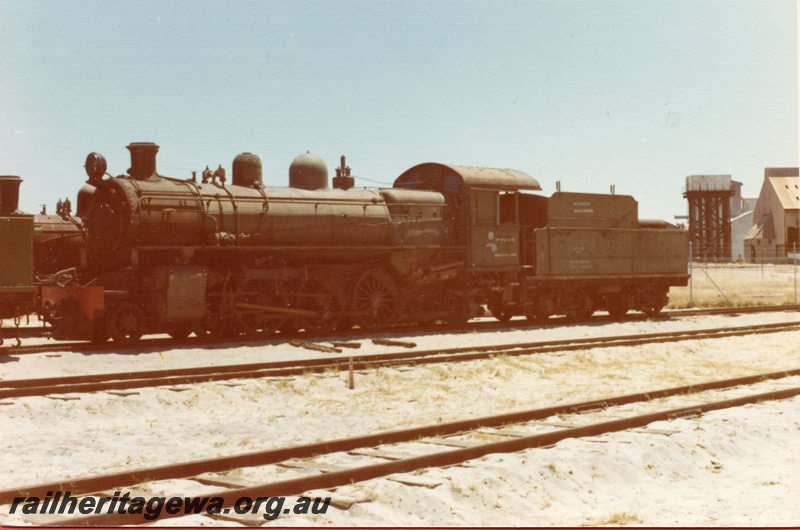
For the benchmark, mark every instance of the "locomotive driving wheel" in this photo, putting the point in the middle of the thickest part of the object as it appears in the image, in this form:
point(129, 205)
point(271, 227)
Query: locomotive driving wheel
point(375, 295)
point(126, 322)
point(180, 330)
point(316, 297)
point(214, 325)
point(271, 323)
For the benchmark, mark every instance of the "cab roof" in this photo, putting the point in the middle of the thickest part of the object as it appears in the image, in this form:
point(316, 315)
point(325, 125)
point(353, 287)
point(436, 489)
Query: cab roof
point(440, 177)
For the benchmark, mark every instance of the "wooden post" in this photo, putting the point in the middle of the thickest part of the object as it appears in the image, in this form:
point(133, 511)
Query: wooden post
point(691, 276)
point(352, 379)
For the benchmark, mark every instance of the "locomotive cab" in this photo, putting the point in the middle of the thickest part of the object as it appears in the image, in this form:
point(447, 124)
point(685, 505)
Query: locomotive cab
point(488, 208)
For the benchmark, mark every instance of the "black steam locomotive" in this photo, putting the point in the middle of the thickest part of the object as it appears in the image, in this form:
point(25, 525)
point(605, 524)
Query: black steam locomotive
point(182, 256)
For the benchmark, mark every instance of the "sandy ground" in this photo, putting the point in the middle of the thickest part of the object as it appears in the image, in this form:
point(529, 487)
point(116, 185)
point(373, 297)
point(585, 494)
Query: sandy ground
point(728, 468)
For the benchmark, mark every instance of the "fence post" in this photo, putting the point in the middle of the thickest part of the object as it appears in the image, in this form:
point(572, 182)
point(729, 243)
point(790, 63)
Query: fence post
point(691, 278)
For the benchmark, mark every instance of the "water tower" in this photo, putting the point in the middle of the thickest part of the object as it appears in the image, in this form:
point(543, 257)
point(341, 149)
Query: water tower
point(709, 216)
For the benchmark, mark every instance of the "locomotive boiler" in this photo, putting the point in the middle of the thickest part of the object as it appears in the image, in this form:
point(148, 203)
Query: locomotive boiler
point(156, 219)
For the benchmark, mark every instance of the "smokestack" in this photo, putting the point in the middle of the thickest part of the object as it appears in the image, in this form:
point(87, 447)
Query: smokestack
point(143, 160)
point(9, 194)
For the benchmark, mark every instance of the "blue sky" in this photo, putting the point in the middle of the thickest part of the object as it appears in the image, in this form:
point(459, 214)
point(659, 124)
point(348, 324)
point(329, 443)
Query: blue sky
point(589, 93)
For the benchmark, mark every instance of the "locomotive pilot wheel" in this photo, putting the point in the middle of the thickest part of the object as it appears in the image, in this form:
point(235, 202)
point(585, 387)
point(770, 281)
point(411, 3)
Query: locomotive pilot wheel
point(126, 322)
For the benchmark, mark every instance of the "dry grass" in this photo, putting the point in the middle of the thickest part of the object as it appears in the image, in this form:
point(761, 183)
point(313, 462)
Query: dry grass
point(733, 285)
point(617, 519)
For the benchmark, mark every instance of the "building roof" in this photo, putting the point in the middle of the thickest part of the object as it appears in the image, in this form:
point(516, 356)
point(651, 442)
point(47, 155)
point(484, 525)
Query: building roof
point(763, 229)
point(743, 217)
point(781, 171)
point(788, 191)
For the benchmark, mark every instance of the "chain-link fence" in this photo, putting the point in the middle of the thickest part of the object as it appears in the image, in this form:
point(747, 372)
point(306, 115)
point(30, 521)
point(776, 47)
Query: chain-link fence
point(770, 279)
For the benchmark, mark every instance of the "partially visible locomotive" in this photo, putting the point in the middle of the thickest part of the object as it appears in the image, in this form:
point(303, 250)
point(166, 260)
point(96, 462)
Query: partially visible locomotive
point(32, 246)
point(181, 256)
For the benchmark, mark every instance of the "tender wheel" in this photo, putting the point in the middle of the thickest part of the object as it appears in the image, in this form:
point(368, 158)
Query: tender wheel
point(653, 310)
point(126, 322)
point(539, 310)
point(580, 306)
point(617, 305)
point(580, 316)
point(652, 301)
point(375, 295)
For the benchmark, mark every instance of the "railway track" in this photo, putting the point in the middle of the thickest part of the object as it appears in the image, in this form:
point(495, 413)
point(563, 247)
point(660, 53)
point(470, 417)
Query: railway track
point(170, 377)
point(165, 343)
point(398, 452)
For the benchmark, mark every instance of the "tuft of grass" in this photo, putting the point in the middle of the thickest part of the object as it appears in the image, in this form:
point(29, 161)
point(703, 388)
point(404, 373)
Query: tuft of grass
point(514, 362)
point(616, 519)
point(192, 400)
point(443, 371)
point(285, 384)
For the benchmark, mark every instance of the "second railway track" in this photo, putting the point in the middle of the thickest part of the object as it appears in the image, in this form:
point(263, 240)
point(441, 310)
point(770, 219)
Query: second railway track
point(207, 471)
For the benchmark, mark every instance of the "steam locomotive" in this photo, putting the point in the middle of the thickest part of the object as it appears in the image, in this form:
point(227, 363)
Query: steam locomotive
point(182, 256)
point(33, 246)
